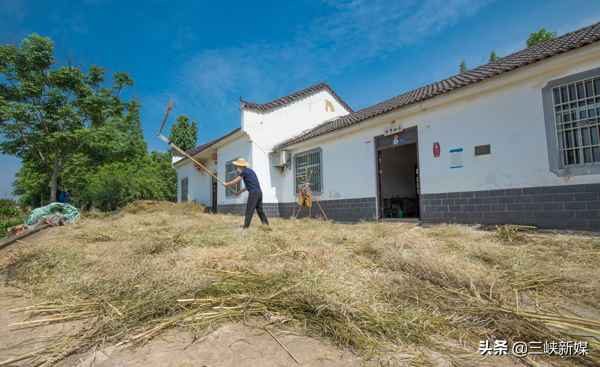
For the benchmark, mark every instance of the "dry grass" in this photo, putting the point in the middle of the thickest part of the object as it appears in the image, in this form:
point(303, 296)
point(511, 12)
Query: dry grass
point(379, 288)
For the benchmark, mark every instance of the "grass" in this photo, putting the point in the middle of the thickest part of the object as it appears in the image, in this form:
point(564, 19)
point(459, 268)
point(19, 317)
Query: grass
point(379, 288)
point(94, 214)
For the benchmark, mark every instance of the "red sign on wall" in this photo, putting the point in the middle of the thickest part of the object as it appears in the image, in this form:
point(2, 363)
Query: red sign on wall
point(436, 150)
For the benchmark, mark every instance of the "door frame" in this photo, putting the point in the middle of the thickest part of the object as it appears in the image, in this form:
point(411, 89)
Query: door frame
point(380, 145)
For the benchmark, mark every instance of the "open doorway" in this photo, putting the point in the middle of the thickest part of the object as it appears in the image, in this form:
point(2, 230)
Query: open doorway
point(398, 176)
point(214, 187)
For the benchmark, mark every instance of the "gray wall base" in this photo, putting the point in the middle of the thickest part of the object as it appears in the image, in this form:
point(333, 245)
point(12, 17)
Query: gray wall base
point(554, 207)
point(343, 210)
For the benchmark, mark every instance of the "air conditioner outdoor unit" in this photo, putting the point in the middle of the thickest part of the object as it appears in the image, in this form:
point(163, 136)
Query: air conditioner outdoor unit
point(281, 159)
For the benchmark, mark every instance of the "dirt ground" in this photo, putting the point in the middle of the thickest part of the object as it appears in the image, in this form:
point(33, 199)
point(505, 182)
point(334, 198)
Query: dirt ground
point(231, 344)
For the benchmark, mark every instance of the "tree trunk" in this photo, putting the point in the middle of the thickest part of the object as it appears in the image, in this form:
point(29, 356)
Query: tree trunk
point(54, 178)
point(42, 197)
point(53, 187)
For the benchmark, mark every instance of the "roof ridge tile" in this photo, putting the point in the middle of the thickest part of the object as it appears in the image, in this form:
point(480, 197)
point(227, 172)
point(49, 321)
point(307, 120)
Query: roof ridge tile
point(282, 101)
point(541, 51)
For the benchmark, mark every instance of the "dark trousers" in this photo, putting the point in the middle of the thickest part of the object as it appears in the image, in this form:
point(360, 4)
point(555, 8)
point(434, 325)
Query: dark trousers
point(255, 203)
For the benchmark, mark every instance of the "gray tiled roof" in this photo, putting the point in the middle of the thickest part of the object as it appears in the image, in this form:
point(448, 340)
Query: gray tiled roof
point(291, 98)
point(202, 147)
point(541, 51)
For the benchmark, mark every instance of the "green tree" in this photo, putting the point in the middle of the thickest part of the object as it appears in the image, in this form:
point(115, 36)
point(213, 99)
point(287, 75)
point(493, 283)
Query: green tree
point(49, 113)
point(183, 134)
point(162, 163)
point(493, 56)
point(32, 183)
point(541, 36)
point(159, 157)
point(463, 66)
point(123, 167)
point(117, 184)
point(8, 209)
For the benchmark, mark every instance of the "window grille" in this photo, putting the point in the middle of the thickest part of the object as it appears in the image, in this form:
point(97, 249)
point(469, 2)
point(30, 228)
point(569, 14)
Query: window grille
point(184, 190)
point(231, 173)
point(576, 112)
point(306, 163)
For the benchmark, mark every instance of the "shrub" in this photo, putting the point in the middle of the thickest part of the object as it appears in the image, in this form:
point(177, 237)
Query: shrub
point(8, 208)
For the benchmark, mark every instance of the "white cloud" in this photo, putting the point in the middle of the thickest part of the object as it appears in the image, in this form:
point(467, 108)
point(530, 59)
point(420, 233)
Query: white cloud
point(183, 38)
point(355, 31)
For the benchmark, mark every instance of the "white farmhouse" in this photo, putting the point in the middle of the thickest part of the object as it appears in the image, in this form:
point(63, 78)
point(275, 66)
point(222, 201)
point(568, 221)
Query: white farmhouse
point(513, 141)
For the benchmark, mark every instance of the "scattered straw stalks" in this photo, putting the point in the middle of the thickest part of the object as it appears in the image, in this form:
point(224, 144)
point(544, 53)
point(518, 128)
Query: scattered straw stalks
point(392, 293)
point(514, 234)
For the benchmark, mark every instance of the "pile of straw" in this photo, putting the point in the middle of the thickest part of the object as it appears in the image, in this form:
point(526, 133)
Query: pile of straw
point(379, 288)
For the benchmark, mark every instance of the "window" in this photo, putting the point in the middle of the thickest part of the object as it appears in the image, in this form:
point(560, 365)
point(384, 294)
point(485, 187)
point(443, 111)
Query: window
point(308, 166)
point(576, 110)
point(571, 113)
point(231, 174)
point(184, 190)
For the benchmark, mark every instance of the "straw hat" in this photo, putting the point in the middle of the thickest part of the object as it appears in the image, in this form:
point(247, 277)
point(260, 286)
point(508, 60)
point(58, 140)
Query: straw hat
point(241, 162)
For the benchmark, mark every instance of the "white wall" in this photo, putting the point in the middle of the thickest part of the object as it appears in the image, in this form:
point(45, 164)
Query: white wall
point(268, 176)
point(348, 168)
point(510, 118)
point(270, 128)
point(505, 111)
point(183, 172)
point(199, 182)
point(175, 159)
point(265, 130)
point(238, 148)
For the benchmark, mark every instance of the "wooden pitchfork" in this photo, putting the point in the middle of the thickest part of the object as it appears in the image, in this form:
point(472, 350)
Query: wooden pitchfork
point(181, 151)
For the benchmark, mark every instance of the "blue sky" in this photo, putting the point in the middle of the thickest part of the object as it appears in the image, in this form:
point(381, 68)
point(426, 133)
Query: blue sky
point(205, 54)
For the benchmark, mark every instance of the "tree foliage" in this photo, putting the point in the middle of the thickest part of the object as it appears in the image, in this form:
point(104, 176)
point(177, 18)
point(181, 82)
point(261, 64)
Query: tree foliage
point(50, 113)
point(8, 209)
point(463, 66)
point(493, 56)
point(106, 184)
point(105, 173)
point(32, 184)
point(163, 163)
point(183, 134)
point(541, 36)
point(124, 172)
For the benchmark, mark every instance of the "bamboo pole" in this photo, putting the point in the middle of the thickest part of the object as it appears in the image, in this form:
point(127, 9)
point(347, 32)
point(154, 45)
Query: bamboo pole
point(193, 160)
point(308, 187)
point(322, 211)
point(181, 151)
point(166, 114)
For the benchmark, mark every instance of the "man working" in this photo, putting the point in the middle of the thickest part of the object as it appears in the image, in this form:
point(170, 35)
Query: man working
point(254, 192)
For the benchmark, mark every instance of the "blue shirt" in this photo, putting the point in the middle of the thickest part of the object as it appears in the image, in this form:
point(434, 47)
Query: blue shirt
point(250, 181)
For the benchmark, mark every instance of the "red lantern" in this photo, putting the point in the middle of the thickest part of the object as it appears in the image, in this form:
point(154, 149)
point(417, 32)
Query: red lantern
point(436, 150)
point(214, 157)
point(198, 168)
